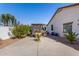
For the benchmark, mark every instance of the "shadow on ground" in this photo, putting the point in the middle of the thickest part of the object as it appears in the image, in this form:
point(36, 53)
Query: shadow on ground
point(65, 41)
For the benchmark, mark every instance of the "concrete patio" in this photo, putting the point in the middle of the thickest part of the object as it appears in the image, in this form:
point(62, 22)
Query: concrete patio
point(46, 47)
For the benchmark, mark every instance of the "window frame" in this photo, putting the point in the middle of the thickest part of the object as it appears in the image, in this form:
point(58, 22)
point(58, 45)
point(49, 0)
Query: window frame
point(52, 27)
point(67, 24)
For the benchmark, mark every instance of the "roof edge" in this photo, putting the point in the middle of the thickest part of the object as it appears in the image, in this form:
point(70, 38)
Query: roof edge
point(53, 16)
point(60, 8)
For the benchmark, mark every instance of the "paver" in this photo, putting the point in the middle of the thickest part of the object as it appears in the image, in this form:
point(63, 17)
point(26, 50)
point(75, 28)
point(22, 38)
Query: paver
point(22, 48)
point(46, 47)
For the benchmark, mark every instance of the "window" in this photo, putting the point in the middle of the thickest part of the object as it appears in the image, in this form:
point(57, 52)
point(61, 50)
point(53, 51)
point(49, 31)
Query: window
point(67, 27)
point(52, 27)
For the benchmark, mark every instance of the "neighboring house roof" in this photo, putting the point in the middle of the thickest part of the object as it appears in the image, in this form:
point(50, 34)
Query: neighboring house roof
point(38, 24)
point(60, 9)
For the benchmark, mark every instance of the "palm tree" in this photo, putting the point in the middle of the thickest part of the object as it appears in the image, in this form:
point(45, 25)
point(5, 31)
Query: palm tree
point(13, 20)
point(8, 19)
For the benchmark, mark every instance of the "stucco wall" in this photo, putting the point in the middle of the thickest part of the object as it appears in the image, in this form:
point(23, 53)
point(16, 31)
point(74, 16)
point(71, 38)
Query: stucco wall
point(70, 14)
point(5, 32)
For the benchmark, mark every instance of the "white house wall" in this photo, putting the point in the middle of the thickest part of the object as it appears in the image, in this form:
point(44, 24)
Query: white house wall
point(67, 15)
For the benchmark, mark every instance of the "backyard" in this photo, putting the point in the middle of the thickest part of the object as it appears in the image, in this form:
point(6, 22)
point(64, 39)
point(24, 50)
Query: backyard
point(36, 38)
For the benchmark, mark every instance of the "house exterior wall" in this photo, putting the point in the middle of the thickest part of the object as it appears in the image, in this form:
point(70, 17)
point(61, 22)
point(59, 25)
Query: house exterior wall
point(37, 27)
point(67, 15)
point(5, 32)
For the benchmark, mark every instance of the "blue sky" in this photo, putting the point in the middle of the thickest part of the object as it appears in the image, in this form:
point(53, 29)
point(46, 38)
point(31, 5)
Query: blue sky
point(29, 13)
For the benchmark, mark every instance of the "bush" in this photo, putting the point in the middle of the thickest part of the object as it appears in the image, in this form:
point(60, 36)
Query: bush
point(38, 35)
point(21, 31)
point(71, 36)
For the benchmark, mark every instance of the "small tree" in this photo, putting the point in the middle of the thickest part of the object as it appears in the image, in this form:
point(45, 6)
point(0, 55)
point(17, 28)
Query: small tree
point(71, 36)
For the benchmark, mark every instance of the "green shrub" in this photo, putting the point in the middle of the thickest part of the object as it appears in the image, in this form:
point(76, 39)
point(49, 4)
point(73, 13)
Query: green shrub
point(21, 31)
point(37, 36)
point(71, 36)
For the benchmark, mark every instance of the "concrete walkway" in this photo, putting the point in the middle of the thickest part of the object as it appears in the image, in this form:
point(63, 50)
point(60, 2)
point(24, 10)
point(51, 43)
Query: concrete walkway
point(46, 47)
